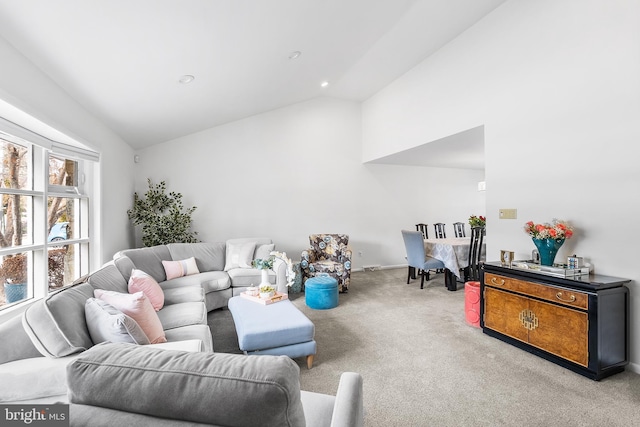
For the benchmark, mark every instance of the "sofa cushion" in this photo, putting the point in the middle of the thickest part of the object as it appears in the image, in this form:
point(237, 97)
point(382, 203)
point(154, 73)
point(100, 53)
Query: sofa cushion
point(183, 267)
point(34, 378)
point(239, 255)
point(56, 324)
point(110, 278)
point(106, 323)
point(125, 267)
point(142, 282)
point(183, 294)
point(148, 260)
point(210, 388)
point(138, 307)
point(183, 314)
point(209, 281)
point(241, 277)
point(180, 345)
point(201, 333)
point(209, 256)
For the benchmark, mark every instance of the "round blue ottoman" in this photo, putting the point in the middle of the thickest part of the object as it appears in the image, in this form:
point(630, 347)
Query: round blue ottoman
point(321, 292)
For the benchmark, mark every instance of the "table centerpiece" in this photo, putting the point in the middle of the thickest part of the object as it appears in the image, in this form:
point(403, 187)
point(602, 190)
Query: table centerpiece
point(266, 264)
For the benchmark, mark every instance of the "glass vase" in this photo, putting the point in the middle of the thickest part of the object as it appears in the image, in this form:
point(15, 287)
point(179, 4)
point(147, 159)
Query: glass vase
point(548, 248)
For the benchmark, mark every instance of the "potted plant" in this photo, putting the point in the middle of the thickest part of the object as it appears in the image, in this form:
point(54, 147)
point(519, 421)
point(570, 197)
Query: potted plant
point(13, 273)
point(162, 216)
point(477, 221)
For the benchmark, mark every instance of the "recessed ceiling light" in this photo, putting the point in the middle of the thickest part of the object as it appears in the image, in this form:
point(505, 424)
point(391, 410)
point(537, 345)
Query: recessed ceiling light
point(187, 78)
point(295, 54)
point(324, 84)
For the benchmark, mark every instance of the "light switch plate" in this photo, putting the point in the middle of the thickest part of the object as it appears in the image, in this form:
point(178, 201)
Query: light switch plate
point(508, 213)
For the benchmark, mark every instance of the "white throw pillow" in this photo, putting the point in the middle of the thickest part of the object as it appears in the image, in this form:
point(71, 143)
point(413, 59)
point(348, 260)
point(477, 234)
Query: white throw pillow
point(239, 255)
point(107, 323)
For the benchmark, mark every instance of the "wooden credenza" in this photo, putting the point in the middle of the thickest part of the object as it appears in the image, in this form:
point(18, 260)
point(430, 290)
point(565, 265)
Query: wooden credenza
point(581, 324)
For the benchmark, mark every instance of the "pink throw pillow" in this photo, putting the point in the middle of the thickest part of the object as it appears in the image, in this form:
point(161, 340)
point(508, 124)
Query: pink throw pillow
point(180, 268)
point(139, 308)
point(142, 282)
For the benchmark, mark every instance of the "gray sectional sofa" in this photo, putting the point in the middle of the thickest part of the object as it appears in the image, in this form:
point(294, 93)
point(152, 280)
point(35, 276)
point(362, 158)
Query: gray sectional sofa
point(218, 277)
point(56, 334)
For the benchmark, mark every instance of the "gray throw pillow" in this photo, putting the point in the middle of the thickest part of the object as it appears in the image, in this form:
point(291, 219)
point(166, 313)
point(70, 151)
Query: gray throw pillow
point(107, 323)
point(56, 324)
point(263, 251)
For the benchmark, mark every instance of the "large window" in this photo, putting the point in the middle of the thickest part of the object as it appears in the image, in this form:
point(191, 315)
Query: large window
point(44, 229)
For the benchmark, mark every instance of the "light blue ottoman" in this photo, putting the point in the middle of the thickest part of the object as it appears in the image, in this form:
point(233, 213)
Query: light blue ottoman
point(321, 292)
point(278, 329)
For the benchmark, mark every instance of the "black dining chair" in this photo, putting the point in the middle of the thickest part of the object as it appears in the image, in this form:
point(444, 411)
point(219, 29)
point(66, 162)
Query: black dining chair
point(458, 229)
point(472, 271)
point(439, 229)
point(416, 257)
point(423, 229)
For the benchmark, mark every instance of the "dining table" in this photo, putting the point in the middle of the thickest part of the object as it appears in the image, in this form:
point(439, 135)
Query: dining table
point(454, 253)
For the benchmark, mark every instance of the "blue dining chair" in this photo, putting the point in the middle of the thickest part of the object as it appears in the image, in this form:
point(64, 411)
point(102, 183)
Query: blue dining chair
point(416, 257)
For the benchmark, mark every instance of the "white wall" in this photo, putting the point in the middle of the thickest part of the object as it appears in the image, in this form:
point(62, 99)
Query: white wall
point(26, 88)
point(298, 170)
point(555, 84)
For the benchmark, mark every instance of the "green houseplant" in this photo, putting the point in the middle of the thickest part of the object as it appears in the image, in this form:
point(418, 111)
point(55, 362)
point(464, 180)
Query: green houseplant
point(162, 216)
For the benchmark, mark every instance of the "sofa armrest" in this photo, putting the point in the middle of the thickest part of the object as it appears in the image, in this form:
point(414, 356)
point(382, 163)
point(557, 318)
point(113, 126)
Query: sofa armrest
point(348, 409)
point(309, 255)
point(345, 259)
point(21, 346)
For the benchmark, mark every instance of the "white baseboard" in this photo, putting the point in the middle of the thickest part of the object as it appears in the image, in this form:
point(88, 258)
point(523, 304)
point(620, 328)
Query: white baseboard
point(381, 267)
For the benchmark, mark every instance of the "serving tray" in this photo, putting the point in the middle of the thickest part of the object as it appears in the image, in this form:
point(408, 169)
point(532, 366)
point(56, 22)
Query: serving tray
point(557, 270)
point(279, 296)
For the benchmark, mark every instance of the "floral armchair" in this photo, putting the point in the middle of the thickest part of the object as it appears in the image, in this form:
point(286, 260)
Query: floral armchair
point(328, 254)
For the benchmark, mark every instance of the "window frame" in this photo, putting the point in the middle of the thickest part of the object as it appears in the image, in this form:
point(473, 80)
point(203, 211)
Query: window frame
point(39, 190)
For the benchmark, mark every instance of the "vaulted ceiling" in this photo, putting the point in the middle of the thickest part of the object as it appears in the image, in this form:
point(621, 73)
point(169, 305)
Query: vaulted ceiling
point(123, 59)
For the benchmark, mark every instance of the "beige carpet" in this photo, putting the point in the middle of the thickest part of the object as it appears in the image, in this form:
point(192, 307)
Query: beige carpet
point(424, 366)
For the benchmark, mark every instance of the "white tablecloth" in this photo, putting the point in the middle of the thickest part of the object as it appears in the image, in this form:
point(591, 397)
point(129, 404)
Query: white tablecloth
point(453, 252)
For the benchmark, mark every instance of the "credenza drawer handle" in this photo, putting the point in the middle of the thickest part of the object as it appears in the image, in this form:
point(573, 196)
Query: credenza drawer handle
point(495, 282)
point(571, 299)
